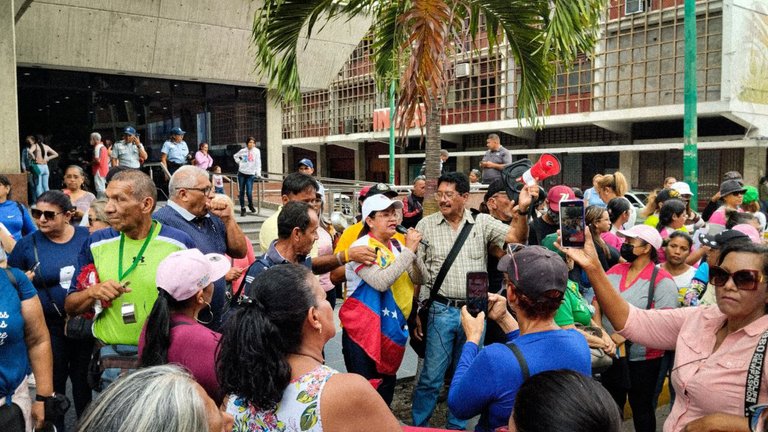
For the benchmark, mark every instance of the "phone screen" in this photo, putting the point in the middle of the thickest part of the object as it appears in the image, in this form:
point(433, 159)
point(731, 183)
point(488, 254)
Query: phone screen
point(572, 224)
point(477, 293)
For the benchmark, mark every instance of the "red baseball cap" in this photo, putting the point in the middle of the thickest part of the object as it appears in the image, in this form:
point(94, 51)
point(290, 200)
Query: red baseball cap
point(557, 194)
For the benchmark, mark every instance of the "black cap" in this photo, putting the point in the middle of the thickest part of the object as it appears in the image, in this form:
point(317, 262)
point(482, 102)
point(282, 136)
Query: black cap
point(495, 187)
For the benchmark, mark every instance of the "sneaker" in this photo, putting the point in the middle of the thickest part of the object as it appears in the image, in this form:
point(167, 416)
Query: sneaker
point(242, 211)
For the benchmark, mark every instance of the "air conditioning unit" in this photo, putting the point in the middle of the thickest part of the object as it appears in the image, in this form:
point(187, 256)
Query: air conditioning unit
point(634, 6)
point(463, 70)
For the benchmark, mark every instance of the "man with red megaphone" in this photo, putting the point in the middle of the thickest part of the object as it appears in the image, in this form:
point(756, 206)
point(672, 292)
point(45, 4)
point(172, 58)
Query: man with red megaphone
point(494, 160)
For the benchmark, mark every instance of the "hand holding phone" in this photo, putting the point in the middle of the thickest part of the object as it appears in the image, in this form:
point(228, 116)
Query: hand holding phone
point(477, 293)
point(35, 267)
point(572, 224)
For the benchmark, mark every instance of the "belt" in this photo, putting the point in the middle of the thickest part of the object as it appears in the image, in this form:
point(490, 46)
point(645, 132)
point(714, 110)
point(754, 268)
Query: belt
point(457, 303)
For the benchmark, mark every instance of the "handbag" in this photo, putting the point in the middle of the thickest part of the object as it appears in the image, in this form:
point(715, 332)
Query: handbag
point(601, 361)
point(420, 346)
point(110, 362)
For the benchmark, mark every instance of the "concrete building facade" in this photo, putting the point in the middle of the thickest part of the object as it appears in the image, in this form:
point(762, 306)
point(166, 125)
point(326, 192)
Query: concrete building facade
point(619, 108)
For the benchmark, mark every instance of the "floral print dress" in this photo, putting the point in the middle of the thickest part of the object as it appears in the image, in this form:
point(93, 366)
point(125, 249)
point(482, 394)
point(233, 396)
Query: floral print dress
point(298, 411)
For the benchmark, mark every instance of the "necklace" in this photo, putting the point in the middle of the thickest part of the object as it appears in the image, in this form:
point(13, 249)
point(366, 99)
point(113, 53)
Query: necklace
point(319, 360)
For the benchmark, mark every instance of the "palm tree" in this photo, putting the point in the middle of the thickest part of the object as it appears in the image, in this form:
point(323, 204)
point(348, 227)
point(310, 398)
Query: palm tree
point(413, 39)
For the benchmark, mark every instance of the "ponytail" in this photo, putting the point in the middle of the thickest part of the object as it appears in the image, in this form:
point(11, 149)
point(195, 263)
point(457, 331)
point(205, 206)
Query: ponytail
point(157, 336)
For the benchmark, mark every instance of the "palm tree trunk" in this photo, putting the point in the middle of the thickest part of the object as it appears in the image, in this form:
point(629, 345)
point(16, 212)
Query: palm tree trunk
point(432, 153)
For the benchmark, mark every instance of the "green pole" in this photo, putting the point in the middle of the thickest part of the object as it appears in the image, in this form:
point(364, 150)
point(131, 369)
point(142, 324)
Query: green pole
point(690, 149)
point(392, 133)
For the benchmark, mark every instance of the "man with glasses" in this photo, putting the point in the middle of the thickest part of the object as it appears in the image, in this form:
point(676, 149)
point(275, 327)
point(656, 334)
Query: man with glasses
point(210, 222)
point(445, 336)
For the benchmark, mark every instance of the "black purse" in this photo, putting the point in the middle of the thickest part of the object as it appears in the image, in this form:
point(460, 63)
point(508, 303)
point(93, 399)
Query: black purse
point(420, 346)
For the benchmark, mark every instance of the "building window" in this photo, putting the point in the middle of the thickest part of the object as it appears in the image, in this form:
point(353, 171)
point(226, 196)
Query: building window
point(634, 6)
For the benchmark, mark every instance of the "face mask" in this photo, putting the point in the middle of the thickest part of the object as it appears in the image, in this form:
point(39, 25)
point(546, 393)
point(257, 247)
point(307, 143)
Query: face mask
point(552, 215)
point(628, 252)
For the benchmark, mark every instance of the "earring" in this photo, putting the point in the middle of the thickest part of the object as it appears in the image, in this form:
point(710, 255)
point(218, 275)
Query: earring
point(320, 330)
point(210, 311)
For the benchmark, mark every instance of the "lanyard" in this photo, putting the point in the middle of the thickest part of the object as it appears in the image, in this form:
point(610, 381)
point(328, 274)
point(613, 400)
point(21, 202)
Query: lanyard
point(137, 259)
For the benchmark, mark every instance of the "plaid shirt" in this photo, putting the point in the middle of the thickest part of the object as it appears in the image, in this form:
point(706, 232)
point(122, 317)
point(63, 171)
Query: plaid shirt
point(472, 257)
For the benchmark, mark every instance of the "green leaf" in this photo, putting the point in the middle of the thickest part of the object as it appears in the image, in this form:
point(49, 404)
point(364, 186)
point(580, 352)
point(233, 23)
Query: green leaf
point(308, 417)
point(304, 397)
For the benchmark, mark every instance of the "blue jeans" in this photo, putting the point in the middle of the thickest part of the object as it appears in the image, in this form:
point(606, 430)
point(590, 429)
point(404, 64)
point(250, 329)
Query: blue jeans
point(357, 361)
point(445, 341)
point(42, 180)
point(245, 184)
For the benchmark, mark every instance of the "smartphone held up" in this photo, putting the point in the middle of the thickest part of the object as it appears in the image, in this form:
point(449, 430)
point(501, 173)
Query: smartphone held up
point(477, 293)
point(572, 223)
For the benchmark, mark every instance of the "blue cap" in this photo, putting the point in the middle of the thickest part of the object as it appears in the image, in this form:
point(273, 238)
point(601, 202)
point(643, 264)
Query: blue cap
point(177, 131)
point(129, 130)
point(307, 162)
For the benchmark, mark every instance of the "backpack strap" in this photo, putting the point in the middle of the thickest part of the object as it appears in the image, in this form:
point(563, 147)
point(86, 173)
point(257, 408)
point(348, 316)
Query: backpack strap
point(263, 261)
point(520, 359)
point(652, 287)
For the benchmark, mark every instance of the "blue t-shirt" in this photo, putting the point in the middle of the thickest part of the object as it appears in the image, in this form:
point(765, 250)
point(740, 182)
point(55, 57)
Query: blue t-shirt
point(14, 362)
point(16, 218)
point(486, 381)
point(57, 268)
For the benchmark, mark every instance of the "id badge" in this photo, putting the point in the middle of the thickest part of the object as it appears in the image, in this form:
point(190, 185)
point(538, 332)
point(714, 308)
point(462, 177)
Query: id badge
point(128, 310)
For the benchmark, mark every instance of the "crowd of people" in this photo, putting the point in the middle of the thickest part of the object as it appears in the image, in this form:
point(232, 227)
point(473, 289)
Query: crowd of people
point(173, 318)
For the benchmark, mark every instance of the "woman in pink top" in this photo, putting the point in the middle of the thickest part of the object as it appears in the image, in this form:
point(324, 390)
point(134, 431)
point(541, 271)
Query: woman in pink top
point(203, 160)
point(714, 344)
point(173, 331)
point(732, 194)
point(618, 212)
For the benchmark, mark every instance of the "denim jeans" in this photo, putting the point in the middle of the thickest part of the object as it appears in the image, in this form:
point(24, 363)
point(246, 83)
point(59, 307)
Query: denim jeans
point(42, 180)
point(445, 341)
point(664, 372)
point(245, 184)
point(357, 361)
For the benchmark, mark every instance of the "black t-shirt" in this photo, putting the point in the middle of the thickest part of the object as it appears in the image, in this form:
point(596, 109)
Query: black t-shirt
point(540, 229)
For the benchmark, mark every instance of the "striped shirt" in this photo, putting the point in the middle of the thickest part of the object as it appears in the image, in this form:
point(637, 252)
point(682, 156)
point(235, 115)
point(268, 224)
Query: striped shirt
point(473, 256)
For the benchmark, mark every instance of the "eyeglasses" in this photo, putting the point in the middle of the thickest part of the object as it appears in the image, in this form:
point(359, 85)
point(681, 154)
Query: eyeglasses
point(738, 193)
point(47, 213)
point(745, 280)
point(205, 190)
point(757, 416)
point(446, 195)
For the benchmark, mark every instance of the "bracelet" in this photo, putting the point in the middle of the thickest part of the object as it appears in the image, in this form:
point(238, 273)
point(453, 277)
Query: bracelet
point(346, 255)
point(338, 259)
point(522, 212)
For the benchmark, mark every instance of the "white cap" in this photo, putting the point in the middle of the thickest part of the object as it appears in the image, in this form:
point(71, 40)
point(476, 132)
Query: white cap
point(682, 188)
point(379, 202)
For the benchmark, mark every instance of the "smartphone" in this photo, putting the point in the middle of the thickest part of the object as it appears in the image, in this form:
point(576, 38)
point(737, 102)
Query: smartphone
point(572, 223)
point(477, 293)
point(35, 267)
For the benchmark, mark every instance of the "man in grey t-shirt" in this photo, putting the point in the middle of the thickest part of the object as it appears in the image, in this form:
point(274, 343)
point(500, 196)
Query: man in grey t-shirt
point(494, 160)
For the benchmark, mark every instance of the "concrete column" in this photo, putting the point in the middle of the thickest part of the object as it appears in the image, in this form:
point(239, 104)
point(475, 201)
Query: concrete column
point(462, 164)
point(321, 169)
point(9, 110)
point(402, 165)
point(754, 160)
point(274, 133)
point(629, 165)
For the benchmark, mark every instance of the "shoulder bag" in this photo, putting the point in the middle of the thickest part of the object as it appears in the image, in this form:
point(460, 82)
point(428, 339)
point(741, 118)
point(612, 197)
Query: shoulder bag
point(420, 346)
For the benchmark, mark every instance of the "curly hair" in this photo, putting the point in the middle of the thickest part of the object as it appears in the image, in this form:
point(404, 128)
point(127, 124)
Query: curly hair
point(262, 333)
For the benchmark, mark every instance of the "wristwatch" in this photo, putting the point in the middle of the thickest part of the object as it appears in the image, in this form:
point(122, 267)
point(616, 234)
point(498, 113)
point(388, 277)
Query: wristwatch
point(522, 212)
point(39, 398)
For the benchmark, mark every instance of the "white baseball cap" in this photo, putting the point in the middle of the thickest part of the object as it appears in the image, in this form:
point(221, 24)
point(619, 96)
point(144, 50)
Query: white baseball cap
point(379, 202)
point(682, 188)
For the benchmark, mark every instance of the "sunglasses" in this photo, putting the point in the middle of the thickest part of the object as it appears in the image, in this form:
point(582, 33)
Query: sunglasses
point(757, 417)
point(48, 214)
point(745, 280)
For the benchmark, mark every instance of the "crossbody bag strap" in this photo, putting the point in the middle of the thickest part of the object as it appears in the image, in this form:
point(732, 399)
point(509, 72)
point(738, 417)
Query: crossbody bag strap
point(755, 374)
point(12, 280)
point(652, 287)
point(520, 359)
point(449, 260)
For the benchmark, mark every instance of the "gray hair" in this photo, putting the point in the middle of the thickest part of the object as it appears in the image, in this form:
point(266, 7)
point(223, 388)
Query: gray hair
point(98, 206)
point(185, 177)
point(494, 137)
point(141, 185)
point(443, 152)
point(419, 178)
point(154, 399)
point(96, 136)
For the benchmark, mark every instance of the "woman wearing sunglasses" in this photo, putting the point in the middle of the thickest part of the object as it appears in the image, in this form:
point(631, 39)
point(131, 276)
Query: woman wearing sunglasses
point(49, 256)
point(732, 194)
point(714, 345)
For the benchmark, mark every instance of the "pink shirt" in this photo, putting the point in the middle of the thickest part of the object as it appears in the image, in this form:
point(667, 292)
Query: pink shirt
point(705, 382)
point(203, 161)
point(612, 239)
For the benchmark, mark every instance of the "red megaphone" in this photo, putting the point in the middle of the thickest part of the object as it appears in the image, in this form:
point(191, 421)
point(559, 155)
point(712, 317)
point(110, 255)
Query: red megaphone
point(547, 166)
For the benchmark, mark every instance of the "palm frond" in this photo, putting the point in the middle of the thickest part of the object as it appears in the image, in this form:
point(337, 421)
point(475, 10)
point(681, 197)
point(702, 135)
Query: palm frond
point(276, 32)
point(388, 38)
